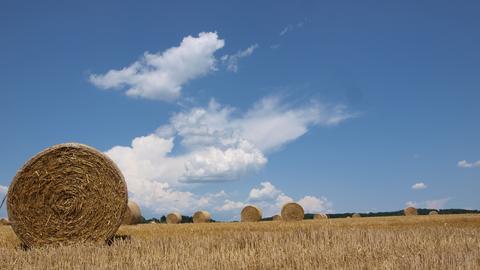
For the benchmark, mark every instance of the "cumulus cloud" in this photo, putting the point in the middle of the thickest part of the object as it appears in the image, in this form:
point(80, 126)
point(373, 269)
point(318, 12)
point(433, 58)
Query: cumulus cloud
point(214, 143)
point(162, 75)
point(229, 205)
point(267, 191)
point(231, 61)
point(465, 164)
point(418, 186)
point(437, 204)
point(3, 189)
point(270, 199)
point(430, 204)
point(313, 204)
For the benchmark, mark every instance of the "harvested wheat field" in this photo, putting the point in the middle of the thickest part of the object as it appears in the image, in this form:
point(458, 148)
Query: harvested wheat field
point(421, 242)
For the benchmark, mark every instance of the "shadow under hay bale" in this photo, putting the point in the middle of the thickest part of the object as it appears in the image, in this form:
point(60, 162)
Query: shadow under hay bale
point(251, 213)
point(133, 214)
point(118, 239)
point(69, 193)
point(292, 212)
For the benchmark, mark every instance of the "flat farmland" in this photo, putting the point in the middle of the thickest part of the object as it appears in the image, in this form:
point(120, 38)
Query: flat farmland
point(419, 242)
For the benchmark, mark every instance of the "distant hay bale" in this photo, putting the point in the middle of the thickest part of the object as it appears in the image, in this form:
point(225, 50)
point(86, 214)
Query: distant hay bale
point(433, 212)
point(292, 212)
point(133, 214)
point(174, 218)
point(320, 216)
point(202, 217)
point(277, 218)
point(410, 211)
point(251, 213)
point(4, 221)
point(68, 193)
point(356, 215)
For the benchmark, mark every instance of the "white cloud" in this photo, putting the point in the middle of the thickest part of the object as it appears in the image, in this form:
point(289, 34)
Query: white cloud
point(267, 191)
point(312, 204)
point(3, 189)
point(411, 204)
point(162, 75)
point(418, 186)
point(214, 143)
point(232, 60)
point(465, 164)
point(430, 204)
point(291, 27)
point(229, 205)
point(437, 204)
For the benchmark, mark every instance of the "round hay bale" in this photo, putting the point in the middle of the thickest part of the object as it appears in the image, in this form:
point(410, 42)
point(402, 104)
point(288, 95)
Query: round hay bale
point(410, 211)
point(201, 217)
point(66, 194)
point(174, 218)
point(356, 215)
point(292, 212)
point(277, 218)
point(133, 214)
point(251, 213)
point(4, 221)
point(433, 213)
point(320, 216)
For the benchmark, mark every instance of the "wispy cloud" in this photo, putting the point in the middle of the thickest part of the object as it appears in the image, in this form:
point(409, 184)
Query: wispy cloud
point(291, 27)
point(232, 60)
point(162, 75)
point(465, 164)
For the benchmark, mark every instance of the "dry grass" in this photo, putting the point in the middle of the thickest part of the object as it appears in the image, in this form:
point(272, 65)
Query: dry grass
point(417, 242)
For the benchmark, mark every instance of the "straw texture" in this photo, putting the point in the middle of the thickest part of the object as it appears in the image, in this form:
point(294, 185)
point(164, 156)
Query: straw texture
point(433, 212)
point(4, 221)
point(251, 213)
point(174, 218)
point(66, 194)
point(292, 212)
point(133, 214)
point(320, 216)
point(410, 211)
point(202, 217)
point(277, 218)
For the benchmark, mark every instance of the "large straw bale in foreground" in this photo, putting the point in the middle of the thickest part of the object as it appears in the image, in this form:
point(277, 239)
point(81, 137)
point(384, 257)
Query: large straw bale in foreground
point(410, 211)
point(251, 213)
point(292, 212)
point(320, 216)
point(133, 214)
point(174, 218)
point(202, 217)
point(66, 194)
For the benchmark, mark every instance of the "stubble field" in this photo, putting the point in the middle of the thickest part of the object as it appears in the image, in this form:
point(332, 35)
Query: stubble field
point(421, 242)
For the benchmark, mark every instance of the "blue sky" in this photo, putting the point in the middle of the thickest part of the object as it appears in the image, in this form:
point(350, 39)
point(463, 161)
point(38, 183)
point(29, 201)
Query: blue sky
point(341, 106)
